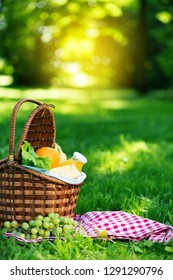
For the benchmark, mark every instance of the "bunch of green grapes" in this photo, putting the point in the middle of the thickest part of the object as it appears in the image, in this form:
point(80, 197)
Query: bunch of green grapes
point(42, 227)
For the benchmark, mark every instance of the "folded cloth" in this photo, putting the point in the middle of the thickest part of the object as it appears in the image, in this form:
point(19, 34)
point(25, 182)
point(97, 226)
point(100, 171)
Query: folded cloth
point(74, 181)
point(122, 225)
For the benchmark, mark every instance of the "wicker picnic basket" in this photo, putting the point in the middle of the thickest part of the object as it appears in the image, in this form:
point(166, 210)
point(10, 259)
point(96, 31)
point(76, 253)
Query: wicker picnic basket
point(26, 193)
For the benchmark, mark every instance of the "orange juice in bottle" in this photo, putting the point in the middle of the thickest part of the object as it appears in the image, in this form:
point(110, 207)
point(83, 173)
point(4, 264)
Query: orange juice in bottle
point(77, 159)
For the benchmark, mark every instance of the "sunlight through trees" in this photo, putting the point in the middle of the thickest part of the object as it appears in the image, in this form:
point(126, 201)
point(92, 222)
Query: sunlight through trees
point(87, 43)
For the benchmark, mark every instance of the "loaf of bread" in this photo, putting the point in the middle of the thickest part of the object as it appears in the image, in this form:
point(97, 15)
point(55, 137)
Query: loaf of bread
point(69, 171)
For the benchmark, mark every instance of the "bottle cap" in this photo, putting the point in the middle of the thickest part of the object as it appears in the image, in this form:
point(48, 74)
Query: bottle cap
point(80, 157)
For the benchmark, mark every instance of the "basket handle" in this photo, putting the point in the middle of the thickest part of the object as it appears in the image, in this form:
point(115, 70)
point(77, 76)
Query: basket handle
point(13, 124)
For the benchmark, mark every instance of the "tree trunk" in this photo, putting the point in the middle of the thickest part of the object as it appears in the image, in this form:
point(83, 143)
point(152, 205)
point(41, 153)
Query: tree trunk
point(142, 40)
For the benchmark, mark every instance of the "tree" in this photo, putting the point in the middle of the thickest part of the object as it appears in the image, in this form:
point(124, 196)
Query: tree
point(103, 43)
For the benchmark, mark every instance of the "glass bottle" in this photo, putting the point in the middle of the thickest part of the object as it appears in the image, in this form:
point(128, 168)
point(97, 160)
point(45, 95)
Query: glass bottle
point(77, 159)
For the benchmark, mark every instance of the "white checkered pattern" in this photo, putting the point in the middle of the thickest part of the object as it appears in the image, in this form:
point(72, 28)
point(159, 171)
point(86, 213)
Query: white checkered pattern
point(122, 225)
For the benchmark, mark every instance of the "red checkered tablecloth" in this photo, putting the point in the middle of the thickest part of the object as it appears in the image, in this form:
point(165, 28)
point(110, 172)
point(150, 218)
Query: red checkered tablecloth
point(122, 225)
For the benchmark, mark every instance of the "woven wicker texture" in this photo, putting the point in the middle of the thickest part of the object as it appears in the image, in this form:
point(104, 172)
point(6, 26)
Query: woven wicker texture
point(25, 193)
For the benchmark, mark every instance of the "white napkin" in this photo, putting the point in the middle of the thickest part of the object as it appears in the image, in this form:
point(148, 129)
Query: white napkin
point(76, 181)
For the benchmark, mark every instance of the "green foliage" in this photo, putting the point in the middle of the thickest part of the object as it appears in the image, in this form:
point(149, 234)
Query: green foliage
point(105, 43)
point(128, 144)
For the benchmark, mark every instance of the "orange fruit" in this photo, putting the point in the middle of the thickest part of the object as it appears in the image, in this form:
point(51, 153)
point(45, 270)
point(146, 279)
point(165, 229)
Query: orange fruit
point(50, 153)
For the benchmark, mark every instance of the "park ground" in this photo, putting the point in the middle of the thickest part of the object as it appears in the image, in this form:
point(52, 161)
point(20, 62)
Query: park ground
point(128, 141)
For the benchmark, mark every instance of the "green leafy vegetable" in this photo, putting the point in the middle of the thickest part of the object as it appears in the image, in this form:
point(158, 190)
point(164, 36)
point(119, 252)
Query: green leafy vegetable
point(29, 157)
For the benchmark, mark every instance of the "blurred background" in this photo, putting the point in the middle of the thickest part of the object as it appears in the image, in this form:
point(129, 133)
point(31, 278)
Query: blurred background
point(87, 43)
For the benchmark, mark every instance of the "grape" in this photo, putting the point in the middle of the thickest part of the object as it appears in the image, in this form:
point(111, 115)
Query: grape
point(41, 232)
point(25, 226)
point(22, 235)
point(46, 225)
point(56, 215)
point(46, 219)
point(38, 237)
point(38, 223)
point(47, 233)
point(42, 226)
point(40, 217)
point(62, 219)
point(33, 236)
point(28, 236)
point(70, 221)
point(51, 225)
point(66, 220)
point(56, 221)
point(34, 231)
point(75, 223)
point(66, 228)
point(58, 230)
point(51, 215)
point(7, 225)
point(71, 227)
point(32, 223)
point(14, 224)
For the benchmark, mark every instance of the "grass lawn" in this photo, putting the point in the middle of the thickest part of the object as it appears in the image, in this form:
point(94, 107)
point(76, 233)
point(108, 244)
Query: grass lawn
point(128, 141)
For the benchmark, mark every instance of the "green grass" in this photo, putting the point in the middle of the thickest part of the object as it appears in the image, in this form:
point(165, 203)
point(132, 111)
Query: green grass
point(128, 141)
